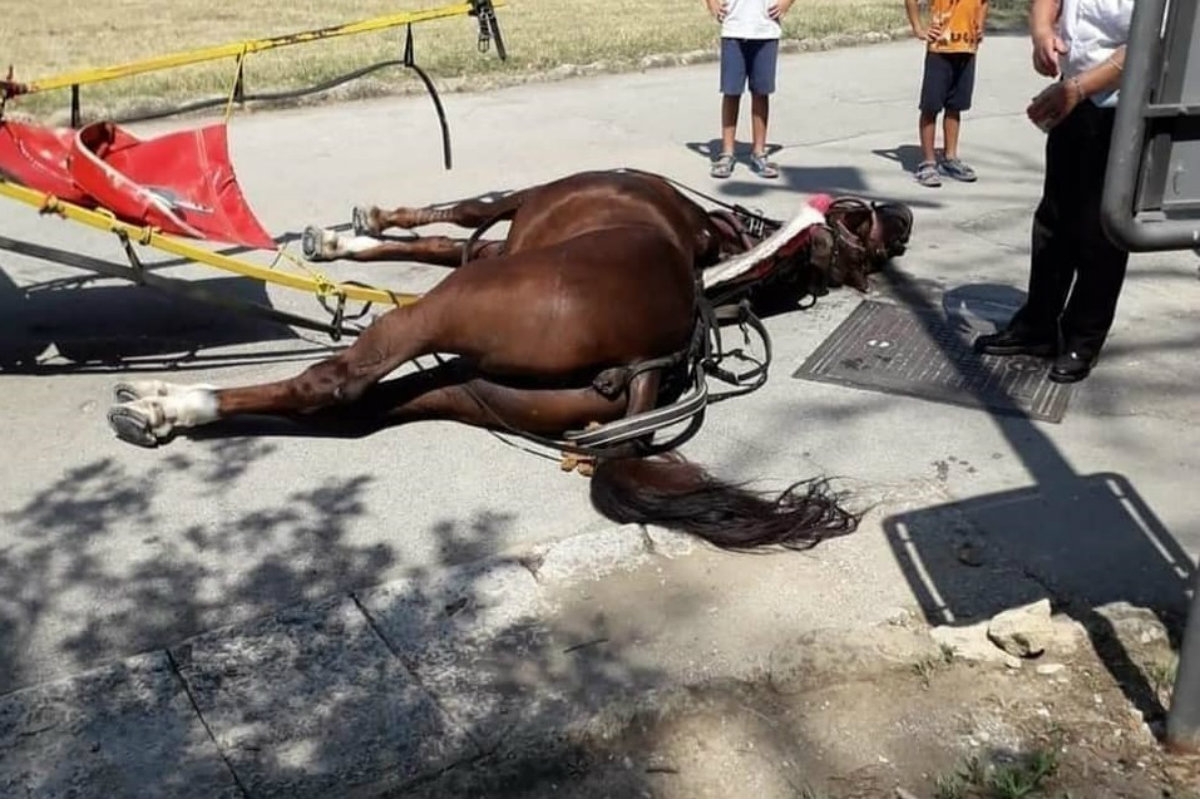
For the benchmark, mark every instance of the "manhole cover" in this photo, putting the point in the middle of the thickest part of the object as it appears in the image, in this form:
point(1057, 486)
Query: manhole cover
point(883, 347)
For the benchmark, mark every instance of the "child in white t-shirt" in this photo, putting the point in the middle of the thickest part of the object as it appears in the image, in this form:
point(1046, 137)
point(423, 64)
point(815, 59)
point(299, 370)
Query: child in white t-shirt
point(750, 32)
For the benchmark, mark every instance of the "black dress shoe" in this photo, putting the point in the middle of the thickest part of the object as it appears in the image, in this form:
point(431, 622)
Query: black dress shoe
point(1071, 367)
point(1014, 342)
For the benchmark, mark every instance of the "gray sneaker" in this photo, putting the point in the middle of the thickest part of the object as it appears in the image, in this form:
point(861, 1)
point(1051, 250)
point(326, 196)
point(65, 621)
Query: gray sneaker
point(722, 167)
point(927, 174)
point(954, 168)
point(763, 167)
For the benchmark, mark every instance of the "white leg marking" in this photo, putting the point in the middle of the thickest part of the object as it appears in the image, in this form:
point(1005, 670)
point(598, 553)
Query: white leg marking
point(351, 245)
point(130, 390)
point(162, 414)
point(192, 408)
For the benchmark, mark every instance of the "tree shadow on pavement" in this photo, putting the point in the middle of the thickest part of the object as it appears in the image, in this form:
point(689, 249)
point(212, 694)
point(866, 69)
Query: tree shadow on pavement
point(64, 578)
point(327, 679)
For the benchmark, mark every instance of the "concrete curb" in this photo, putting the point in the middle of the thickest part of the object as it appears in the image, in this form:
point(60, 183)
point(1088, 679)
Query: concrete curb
point(357, 693)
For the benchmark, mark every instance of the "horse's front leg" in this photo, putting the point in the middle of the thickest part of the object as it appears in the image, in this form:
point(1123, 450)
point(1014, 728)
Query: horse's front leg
point(329, 245)
point(373, 221)
point(148, 412)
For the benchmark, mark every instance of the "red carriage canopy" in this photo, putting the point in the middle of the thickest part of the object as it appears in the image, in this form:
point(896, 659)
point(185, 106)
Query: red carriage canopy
point(182, 183)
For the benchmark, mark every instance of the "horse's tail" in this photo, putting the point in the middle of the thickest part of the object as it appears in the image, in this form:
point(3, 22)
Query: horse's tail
point(672, 492)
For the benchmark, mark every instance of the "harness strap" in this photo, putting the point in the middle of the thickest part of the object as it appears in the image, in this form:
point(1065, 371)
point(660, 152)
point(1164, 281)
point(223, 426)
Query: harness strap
point(759, 221)
point(611, 382)
point(747, 321)
point(704, 356)
point(473, 239)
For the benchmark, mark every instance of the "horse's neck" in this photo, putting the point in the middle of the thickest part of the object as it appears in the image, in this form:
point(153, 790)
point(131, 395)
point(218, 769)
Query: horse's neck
point(729, 234)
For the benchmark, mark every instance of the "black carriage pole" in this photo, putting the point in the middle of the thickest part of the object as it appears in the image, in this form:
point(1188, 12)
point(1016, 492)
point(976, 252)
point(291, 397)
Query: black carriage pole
point(76, 113)
point(1153, 132)
point(1183, 717)
point(410, 63)
point(489, 27)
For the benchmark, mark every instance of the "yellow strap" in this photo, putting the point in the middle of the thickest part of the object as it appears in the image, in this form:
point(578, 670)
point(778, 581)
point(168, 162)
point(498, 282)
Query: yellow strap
point(151, 237)
point(245, 47)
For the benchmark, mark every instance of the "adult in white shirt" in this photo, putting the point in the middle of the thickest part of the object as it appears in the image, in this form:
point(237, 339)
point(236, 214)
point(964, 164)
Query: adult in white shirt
point(1076, 272)
point(750, 32)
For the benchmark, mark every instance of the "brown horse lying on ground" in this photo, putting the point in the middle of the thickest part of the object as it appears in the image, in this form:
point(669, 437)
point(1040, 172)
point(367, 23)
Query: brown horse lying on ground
point(599, 276)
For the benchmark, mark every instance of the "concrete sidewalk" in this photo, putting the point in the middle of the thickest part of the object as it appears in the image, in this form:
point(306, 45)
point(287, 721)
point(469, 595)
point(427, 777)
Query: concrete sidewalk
point(446, 684)
point(373, 691)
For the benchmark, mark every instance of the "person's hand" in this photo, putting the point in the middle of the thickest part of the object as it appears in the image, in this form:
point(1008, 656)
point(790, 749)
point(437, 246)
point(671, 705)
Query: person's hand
point(718, 9)
point(1047, 47)
point(777, 9)
point(934, 31)
point(1054, 104)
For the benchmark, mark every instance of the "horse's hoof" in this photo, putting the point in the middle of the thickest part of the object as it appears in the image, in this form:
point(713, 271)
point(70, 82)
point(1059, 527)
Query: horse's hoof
point(129, 391)
point(126, 392)
point(312, 244)
point(131, 426)
point(360, 219)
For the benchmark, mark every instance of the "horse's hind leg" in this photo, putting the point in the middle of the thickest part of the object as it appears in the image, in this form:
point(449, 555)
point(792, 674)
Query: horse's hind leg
point(451, 391)
point(146, 414)
point(373, 221)
point(328, 245)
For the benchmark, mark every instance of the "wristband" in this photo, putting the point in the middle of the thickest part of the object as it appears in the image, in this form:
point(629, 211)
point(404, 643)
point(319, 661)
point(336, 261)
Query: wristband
point(1078, 89)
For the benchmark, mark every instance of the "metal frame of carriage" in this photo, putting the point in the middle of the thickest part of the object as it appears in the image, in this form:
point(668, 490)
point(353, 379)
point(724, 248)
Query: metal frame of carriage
point(334, 296)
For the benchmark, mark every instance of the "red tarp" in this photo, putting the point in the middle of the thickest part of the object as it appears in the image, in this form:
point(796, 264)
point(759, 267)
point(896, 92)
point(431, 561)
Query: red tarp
point(182, 183)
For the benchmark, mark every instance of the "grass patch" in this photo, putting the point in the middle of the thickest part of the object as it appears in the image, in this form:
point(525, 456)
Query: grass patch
point(541, 35)
point(1017, 778)
point(1009, 15)
point(1161, 674)
point(927, 666)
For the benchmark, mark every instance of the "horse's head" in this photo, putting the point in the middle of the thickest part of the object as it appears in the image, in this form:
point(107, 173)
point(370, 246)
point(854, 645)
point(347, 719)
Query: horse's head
point(830, 243)
point(859, 238)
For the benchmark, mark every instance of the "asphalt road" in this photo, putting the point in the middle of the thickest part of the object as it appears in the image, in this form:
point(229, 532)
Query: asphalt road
point(107, 550)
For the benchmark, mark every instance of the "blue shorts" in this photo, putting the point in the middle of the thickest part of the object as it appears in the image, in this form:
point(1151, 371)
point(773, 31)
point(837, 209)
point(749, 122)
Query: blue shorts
point(748, 60)
point(948, 83)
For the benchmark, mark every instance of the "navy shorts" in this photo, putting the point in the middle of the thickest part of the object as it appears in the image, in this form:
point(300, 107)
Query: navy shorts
point(748, 60)
point(949, 82)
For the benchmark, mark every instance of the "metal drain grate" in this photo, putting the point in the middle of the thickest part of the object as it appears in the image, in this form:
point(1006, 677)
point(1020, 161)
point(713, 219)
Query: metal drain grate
point(883, 347)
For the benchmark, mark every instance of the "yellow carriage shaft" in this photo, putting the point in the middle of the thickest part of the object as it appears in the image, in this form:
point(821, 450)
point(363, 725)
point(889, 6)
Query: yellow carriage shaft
point(151, 237)
point(236, 49)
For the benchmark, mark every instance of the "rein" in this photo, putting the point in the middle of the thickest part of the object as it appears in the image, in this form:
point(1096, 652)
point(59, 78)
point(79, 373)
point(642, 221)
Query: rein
point(755, 223)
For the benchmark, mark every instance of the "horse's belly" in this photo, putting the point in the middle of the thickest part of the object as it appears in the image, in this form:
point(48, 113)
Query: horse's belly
point(596, 301)
point(580, 329)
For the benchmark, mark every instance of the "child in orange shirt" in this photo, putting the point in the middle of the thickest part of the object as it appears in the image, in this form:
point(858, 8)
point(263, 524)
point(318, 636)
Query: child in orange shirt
point(952, 39)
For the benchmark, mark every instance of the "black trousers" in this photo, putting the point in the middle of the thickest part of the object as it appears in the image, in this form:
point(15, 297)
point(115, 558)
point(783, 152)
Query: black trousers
point(1076, 272)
